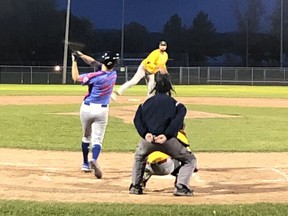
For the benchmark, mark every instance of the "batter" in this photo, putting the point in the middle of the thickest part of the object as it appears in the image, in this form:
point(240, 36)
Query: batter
point(95, 107)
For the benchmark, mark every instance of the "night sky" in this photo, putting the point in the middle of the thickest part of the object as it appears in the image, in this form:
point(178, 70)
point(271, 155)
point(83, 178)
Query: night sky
point(153, 14)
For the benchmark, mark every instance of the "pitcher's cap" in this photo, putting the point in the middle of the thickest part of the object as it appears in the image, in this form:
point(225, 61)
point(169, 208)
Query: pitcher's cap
point(162, 42)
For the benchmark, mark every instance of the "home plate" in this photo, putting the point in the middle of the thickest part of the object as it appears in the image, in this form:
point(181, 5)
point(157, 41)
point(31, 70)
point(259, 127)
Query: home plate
point(164, 177)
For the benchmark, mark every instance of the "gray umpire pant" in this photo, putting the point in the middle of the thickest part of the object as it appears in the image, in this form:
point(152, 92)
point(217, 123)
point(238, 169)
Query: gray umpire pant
point(171, 147)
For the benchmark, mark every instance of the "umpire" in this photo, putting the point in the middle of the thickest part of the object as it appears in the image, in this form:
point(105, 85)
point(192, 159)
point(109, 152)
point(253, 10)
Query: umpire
point(158, 121)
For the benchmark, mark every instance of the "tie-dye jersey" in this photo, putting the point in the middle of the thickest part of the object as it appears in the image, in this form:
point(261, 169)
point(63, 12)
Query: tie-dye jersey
point(100, 86)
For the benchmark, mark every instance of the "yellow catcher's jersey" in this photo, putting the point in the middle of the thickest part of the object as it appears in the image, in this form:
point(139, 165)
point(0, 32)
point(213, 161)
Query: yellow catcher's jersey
point(156, 157)
point(154, 60)
point(182, 137)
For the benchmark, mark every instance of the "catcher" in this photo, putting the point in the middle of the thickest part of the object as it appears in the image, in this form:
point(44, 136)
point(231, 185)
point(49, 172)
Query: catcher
point(159, 163)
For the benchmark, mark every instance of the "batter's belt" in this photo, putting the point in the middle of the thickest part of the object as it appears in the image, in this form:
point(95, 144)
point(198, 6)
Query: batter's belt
point(88, 104)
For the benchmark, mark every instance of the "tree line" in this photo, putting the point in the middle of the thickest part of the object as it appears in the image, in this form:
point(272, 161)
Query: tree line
point(32, 32)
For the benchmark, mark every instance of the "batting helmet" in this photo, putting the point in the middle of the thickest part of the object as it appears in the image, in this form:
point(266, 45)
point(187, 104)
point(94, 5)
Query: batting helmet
point(109, 59)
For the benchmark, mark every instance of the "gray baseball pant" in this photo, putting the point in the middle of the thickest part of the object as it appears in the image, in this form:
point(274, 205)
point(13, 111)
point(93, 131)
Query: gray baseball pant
point(171, 147)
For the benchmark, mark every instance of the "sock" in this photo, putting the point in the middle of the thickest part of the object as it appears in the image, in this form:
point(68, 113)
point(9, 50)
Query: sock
point(96, 149)
point(85, 151)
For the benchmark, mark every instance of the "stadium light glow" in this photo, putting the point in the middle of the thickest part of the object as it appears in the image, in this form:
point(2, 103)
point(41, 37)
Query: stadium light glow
point(57, 68)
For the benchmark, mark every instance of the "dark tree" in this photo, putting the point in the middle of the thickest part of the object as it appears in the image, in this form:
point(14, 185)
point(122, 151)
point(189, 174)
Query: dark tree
point(174, 32)
point(135, 38)
point(275, 30)
point(31, 27)
point(34, 31)
point(248, 24)
point(202, 40)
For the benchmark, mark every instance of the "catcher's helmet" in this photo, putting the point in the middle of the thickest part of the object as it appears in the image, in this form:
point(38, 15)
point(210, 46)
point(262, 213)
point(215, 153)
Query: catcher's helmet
point(109, 59)
point(163, 84)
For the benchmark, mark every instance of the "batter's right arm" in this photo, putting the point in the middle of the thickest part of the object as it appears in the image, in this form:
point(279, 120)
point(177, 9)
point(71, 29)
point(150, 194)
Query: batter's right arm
point(88, 59)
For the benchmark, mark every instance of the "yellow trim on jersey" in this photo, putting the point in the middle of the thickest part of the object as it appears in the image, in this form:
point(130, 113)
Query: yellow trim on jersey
point(181, 136)
point(155, 60)
point(156, 157)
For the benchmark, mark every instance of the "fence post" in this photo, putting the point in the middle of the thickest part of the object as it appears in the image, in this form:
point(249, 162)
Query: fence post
point(31, 74)
point(180, 75)
point(199, 75)
point(208, 75)
point(221, 74)
point(252, 75)
point(126, 72)
point(188, 75)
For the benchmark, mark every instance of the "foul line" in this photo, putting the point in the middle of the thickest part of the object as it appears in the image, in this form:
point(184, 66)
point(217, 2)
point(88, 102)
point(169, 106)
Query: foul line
point(283, 174)
point(49, 169)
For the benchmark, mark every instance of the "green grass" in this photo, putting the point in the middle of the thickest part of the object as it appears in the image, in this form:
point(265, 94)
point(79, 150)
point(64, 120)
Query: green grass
point(36, 127)
point(255, 129)
point(181, 90)
point(25, 208)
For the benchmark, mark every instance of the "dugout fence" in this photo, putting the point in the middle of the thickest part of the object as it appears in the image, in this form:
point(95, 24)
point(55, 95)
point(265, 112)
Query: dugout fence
point(179, 75)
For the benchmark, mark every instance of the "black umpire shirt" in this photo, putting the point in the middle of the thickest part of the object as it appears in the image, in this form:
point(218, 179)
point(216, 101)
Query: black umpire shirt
point(160, 114)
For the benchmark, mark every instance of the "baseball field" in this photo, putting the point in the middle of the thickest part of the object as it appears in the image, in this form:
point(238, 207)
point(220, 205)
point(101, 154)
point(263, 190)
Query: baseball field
point(238, 134)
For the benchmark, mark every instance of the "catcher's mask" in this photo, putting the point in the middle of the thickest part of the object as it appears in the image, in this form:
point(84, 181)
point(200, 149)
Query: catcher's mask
point(109, 59)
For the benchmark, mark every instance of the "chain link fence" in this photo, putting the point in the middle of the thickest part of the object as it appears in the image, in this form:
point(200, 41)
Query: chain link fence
point(179, 75)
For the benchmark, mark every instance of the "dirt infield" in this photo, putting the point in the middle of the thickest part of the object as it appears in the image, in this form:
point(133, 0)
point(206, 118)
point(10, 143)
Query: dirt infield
point(224, 178)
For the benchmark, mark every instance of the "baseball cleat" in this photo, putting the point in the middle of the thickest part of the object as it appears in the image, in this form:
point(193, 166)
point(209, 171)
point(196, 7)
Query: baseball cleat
point(135, 189)
point(182, 190)
point(86, 167)
point(97, 172)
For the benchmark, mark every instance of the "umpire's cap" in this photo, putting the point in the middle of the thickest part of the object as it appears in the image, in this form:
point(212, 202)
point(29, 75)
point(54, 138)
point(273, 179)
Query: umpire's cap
point(163, 84)
point(109, 59)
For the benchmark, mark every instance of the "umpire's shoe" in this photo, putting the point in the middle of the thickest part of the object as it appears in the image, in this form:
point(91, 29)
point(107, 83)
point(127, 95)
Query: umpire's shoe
point(182, 190)
point(94, 166)
point(135, 189)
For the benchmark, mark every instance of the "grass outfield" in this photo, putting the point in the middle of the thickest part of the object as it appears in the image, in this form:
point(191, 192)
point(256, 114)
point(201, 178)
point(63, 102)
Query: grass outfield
point(181, 90)
point(25, 208)
point(258, 129)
